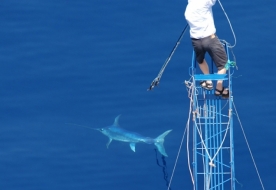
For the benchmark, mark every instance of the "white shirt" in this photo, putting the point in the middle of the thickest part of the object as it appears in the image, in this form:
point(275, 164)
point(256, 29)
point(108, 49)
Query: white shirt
point(199, 16)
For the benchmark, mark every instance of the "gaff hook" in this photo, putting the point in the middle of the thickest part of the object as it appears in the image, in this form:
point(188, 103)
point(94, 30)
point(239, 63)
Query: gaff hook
point(154, 83)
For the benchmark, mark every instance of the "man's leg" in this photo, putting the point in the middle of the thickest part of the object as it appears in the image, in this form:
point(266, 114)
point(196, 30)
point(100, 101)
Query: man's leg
point(205, 69)
point(219, 86)
point(219, 83)
point(218, 54)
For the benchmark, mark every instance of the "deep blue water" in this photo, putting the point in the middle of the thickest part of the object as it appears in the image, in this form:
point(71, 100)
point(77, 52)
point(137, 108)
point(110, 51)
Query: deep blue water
point(86, 62)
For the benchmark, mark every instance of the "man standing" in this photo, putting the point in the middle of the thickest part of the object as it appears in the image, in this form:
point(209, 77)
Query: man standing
point(199, 16)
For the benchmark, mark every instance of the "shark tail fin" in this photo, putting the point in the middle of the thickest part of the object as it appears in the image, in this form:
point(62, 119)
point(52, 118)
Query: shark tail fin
point(159, 141)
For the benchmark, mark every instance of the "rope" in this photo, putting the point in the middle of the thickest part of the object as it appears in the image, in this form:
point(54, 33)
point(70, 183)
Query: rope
point(230, 64)
point(219, 148)
point(229, 25)
point(180, 147)
point(255, 165)
point(176, 160)
point(188, 132)
point(227, 129)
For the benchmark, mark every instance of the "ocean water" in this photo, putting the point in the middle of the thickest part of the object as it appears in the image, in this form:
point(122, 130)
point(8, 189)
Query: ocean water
point(85, 62)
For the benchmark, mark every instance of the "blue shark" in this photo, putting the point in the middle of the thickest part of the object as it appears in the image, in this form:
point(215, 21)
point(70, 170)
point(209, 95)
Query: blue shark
point(115, 132)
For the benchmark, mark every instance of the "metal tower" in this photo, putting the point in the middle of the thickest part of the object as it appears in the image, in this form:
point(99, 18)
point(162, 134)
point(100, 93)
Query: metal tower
point(212, 132)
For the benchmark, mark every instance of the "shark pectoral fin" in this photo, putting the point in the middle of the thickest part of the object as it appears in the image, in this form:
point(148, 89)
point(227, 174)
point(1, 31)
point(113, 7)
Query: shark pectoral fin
point(107, 144)
point(132, 146)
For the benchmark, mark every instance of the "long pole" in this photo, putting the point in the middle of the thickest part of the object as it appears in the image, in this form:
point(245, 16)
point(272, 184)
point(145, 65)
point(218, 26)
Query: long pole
point(156, 81)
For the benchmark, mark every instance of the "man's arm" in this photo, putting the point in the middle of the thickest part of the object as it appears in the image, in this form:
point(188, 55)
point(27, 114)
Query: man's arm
point(211, 2)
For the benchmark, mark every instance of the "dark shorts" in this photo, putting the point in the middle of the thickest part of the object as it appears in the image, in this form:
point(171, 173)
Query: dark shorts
point(214, 48)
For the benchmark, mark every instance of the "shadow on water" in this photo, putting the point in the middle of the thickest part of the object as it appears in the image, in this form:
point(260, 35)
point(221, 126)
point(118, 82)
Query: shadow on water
point(164, 168)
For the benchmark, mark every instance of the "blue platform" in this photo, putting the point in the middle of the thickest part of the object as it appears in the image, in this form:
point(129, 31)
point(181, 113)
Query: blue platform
point(210, 77)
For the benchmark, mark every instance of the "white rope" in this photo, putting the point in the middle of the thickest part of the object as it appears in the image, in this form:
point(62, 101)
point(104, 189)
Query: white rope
point(227, 129)
point(207, 184)
point(192, 90)
point(180, 147)
point(176, 160)
point(202, 142)
point(210, 175)
point(249, 148)
point(188, 150)
point(229, 25)
point(221, 144)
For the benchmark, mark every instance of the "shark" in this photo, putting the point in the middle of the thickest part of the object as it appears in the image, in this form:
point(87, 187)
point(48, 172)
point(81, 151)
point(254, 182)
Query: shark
point(115, 132)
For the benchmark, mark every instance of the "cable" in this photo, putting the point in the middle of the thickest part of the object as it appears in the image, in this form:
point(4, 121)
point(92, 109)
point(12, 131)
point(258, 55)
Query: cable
point(249, 148)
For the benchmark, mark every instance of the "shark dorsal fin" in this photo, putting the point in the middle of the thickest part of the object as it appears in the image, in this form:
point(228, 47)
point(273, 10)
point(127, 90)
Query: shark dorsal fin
point(116, 122)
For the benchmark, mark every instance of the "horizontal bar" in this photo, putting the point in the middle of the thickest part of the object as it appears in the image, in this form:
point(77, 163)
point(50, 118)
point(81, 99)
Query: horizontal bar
point(213, 123)
point(211, 77)
point(215, 173)
point(226, 147)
